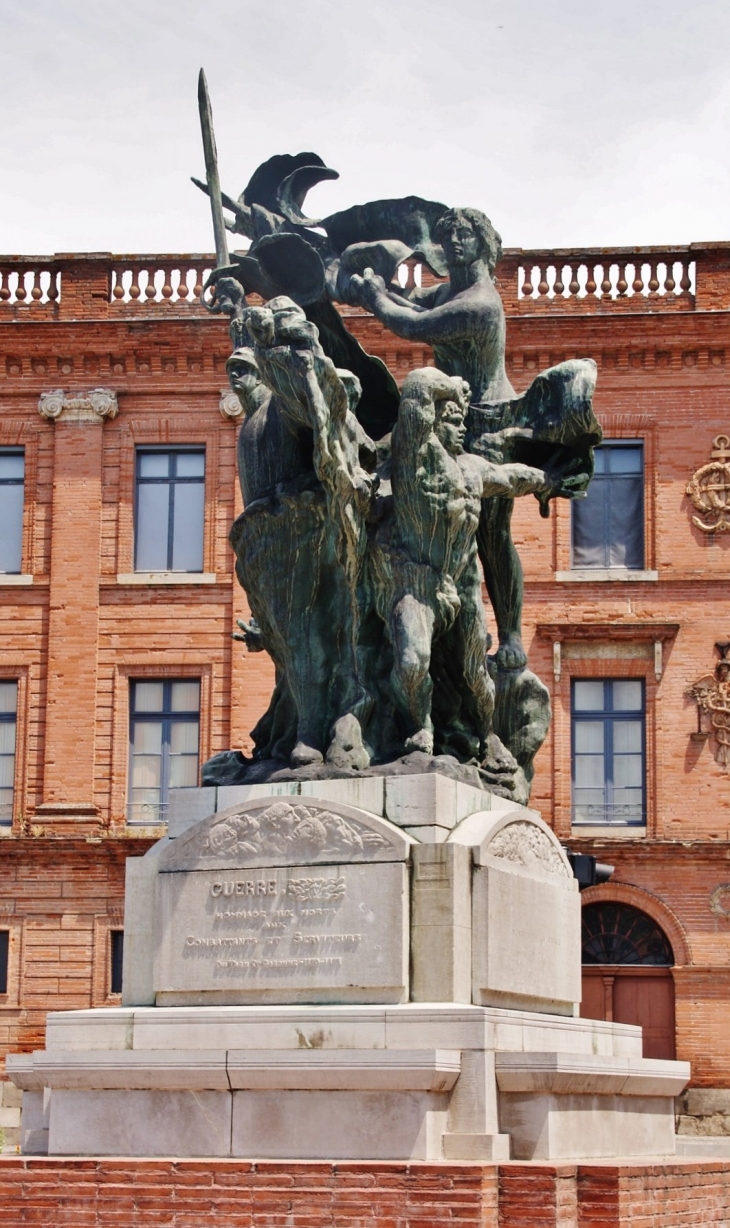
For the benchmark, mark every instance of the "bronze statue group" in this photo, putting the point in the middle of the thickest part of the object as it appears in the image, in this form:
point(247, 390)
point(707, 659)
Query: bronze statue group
point(372, 514)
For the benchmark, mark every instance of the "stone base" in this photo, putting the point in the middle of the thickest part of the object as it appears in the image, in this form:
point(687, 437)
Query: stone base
point(436, 1082)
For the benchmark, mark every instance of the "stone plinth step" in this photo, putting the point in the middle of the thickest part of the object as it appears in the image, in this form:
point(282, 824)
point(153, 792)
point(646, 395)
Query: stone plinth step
point(429, 1070)
point(589, 1074)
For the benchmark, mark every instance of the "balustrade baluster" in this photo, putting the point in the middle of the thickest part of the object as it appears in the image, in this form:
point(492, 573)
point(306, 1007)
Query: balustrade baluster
point(36, 293)
point(653, 277)
point(4, 287)
point(118, 291)
point(669, 282)
point(685, 284)
point(559, 286)
point(622, 285)
point(543, 285)
point(21, 294)
point(135, 290)
point(53, 289)
point(606, 282)
point(151, 290)
point(167, 284)
point(198, 287)
point(591, 282)
point(574, 286)
point(182, 287)
point(638, 283)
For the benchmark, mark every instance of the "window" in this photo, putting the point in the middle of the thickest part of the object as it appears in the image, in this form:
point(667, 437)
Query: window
point(8, 718)
point(608, 751)
point(116, 954)
point(170, 510)
point(164, 726)
point(12, 480)
point(4, 954)
point(608, 525)
point(619, 934)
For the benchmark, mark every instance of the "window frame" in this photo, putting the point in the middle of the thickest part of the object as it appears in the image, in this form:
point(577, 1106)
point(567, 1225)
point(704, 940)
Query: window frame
point(9, 450)
point(608, 717)
point(608, 445)
point(4, 960)
point(11, 718)
point(172, 481)
point(167, 717)
point(116, 959)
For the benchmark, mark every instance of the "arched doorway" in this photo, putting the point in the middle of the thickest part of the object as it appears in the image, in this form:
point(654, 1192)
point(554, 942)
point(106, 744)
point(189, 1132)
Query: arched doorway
point(627, 978)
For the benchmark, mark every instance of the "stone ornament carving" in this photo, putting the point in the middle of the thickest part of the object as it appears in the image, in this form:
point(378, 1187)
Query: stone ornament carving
point(286, 832)
point(229, 404)
point(305, 889)
point(709, 489)
point(720, 900)
point(712, 695)
point(92, 406)
point(304, 832)
point(528, 846)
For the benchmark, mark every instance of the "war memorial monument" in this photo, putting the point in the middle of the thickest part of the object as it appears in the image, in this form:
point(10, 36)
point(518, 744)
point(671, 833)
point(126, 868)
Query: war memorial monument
point(361, 943)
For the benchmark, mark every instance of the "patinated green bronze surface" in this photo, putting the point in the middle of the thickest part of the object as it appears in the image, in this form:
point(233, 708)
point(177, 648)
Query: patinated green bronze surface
point(371, 516)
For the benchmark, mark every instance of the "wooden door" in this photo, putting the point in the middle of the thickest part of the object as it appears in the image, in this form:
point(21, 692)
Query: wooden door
point(633, 994)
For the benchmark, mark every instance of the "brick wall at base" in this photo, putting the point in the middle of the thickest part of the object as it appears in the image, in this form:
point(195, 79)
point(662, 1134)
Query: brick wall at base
point(127, 1193)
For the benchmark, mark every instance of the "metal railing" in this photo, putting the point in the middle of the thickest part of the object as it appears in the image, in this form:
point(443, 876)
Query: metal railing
point(146, 814)
point(606, 814)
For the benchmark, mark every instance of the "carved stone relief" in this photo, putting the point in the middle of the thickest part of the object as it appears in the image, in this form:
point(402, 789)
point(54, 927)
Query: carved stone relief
point(528, 846)
point(720, 900)
point(709, 489)
point(304, 832)
point(712, 695)
point(270, 832)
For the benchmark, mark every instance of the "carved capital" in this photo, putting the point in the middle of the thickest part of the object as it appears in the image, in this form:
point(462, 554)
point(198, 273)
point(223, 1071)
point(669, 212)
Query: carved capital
point(92, 406)
point(229, 404)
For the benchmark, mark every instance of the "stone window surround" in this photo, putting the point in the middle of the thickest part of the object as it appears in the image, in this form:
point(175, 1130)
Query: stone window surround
point(603, 650)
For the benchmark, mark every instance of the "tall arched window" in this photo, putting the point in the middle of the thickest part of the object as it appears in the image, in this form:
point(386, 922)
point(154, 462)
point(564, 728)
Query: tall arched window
point(619, 934)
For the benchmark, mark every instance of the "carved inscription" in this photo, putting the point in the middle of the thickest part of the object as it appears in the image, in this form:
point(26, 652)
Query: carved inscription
point(525, 844)
point(283, 927)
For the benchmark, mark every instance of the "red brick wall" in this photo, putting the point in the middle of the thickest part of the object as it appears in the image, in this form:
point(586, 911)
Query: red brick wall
point(240, 1194)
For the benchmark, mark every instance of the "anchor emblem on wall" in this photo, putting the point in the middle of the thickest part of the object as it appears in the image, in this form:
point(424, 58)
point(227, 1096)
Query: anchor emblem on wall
point(709, 489)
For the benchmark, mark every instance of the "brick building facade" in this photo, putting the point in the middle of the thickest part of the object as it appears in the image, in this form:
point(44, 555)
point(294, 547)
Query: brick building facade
point(118, 674)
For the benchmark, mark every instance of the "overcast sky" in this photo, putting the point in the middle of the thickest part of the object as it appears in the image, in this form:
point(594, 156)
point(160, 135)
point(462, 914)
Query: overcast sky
point(570, 122)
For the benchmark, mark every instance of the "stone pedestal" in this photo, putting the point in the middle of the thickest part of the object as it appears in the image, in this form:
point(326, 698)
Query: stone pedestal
point(356, 970)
